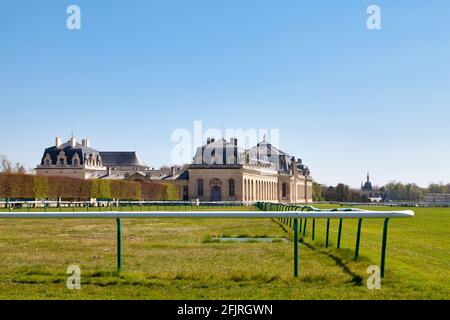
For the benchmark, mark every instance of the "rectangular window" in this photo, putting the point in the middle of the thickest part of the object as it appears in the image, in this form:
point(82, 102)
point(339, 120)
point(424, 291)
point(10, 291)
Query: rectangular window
point(231, 187)
point(200, 188)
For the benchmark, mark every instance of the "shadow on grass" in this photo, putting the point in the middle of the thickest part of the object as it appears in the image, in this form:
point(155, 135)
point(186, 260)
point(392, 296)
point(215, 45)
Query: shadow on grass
point(340, 262)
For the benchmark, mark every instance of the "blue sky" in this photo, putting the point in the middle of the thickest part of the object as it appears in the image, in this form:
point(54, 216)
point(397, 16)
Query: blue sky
point(345, 99)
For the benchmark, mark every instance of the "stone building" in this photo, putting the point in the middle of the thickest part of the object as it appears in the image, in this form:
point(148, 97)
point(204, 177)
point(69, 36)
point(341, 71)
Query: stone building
point(369, 191)
point(220, 171)
point(437, 199)
point(72, 159)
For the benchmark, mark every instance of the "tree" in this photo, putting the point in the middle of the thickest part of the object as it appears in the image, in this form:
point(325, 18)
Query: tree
point(342, 192)
point(317, 192)
point(19, 168)
point(5, 164)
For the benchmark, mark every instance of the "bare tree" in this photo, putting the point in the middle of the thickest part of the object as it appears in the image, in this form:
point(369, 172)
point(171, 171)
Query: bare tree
point(7, 166)
point(20, 168)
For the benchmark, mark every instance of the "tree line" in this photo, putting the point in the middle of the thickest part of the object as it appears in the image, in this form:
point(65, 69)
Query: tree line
point(340, 193)
point(393, 191)
point(27, 186)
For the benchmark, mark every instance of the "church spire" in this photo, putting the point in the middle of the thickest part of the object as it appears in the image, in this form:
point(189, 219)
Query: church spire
point(368, 176)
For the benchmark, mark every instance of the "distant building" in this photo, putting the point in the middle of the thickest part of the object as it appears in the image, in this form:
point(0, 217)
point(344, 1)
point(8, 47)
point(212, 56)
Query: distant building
point(369, 191)
point(72, 159)
point(437, 198)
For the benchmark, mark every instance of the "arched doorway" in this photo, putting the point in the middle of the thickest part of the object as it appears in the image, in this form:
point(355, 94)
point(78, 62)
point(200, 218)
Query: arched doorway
point(216, 193)
point(216, 189)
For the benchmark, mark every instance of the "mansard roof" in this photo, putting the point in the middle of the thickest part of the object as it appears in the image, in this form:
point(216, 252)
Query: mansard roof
point(121, 158)
point(265, 151)
point(69, 151)
point(220, 152)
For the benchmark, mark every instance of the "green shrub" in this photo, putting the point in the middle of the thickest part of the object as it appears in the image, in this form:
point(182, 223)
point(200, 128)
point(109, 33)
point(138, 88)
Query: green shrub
point(100, 189)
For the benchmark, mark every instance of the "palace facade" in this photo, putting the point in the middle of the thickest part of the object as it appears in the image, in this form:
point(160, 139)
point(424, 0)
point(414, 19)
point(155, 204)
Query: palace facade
point(220, 171)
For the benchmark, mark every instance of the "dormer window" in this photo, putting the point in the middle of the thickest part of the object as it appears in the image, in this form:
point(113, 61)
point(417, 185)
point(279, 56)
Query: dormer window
point(47, 160)
point(75, 160)
point(61, 160)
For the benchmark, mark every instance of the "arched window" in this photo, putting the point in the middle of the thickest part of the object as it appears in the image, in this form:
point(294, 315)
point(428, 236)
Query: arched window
point(231, 187)
point(284, 190)
point(200, 187)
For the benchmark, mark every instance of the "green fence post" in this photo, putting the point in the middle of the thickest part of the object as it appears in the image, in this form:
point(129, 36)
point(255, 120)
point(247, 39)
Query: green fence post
point(295, 247)
point(304, 227)
point(119, 245)
point(358, 239)
point(383, 246)
point(339, 234)
point(328, 233)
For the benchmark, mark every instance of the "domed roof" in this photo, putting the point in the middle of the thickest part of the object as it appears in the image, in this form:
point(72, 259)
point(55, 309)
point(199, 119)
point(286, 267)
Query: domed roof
point(368, 185)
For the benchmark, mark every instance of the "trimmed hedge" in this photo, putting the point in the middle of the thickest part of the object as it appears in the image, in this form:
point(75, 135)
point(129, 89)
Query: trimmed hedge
point(25, 186)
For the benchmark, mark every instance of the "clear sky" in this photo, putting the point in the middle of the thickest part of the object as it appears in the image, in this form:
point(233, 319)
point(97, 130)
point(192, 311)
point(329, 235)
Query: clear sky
point(345, 99)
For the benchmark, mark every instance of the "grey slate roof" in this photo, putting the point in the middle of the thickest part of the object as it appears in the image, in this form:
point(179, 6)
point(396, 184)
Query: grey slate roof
point(121, 158)
point(267, 152)
point(70, 151)
point(218, 152)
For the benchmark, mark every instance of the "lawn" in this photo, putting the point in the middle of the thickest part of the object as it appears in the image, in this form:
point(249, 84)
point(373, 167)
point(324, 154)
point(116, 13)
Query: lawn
point(176, 259)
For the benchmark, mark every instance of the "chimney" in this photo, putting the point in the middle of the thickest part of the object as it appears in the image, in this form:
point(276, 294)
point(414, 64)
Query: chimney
point(57, 142)
point(73, 142)
point(232, 141)
point(293, 165)
point(86, 143)
point(173, 170)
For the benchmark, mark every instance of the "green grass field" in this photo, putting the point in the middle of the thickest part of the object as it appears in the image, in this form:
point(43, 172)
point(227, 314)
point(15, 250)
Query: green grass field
point(175, 259)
